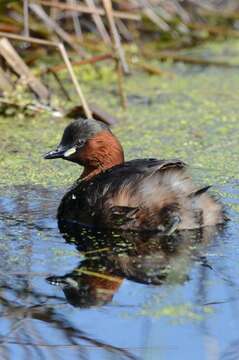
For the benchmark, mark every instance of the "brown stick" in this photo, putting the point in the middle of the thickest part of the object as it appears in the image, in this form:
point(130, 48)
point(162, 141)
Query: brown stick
point(87, 10)
point(26, 17)
point(121, 63)
point(98, 22)
point(153, 70)
point(192, 60)
point(28, 39)
point(76, 21)
point(38, 10)
point(97, 112)
point(126, 34)
point(18, 66)
point(59, 82)
point(74, 80)
point(91, 60)
point(63, 52)
point(10, 28)
point(115, 35)
point(155, 18)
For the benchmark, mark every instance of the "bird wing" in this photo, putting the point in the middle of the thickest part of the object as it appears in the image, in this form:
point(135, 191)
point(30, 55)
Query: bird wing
point(126, 188)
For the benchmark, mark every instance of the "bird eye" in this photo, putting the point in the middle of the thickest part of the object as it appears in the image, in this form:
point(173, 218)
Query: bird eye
point(80, 142)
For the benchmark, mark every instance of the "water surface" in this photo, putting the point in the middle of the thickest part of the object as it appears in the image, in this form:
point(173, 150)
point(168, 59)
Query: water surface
point(68, 293)
point(116, 296)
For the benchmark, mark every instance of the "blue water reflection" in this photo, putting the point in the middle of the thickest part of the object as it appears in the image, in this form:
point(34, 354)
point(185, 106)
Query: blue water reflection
point(114, 296)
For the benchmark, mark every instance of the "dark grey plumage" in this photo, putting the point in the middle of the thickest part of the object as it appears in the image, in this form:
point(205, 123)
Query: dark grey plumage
point(142, 194)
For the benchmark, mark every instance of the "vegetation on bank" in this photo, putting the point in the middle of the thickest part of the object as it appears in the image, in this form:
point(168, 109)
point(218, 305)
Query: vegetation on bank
point(192, 115)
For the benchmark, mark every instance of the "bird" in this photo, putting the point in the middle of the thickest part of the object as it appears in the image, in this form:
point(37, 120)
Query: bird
point(142, 257)
point(137, 195)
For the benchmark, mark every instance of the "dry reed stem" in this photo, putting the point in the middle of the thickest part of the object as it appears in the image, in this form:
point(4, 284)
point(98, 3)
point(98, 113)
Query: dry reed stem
point(28, 39)
point(38, 10)
point(87, 10)
point(26, 17)
point(64, 55)
point(174, 56)
point(115, 35)
point(76, 21)
point(18, 66)
point(91, 60)
point(75, 81)
point(99, 23)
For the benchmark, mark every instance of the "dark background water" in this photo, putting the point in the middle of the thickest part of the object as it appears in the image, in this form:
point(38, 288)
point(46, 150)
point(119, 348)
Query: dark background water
point(119, 296)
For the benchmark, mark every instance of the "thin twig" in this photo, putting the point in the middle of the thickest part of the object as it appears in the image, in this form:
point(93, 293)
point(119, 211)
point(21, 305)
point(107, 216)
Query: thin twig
point(91, 60)
point(152, 15)
point(115, 35)
point(18, 65)
point(87, 10)
point(38, 10)
point(97, 113)
point(28, 39)
point(76, 21)
point(168, 55)
point(123, 30)
point(26, 17)
point(74, 79)
point(98, 22)
point(153, 70)
point(63, 52)
point(59, 82)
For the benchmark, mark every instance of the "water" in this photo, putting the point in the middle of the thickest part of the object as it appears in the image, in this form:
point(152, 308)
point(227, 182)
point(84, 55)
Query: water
point(114, 296)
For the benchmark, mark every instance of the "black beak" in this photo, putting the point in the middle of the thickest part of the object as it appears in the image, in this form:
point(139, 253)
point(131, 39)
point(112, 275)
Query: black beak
point(54, 154)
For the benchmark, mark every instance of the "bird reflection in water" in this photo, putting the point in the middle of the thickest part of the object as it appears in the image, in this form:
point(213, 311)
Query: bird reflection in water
point(111, 257)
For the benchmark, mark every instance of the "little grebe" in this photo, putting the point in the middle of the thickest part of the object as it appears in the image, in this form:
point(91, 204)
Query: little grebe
point(141, 194)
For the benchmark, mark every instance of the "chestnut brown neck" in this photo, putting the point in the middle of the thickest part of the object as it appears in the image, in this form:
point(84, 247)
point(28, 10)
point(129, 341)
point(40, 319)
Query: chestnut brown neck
point(100, 153)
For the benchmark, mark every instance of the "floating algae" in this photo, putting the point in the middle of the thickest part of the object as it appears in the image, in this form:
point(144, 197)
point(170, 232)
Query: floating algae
point(193, 116)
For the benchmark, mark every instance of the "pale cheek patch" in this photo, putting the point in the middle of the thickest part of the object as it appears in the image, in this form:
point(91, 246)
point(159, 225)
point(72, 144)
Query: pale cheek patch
point(69, 152)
